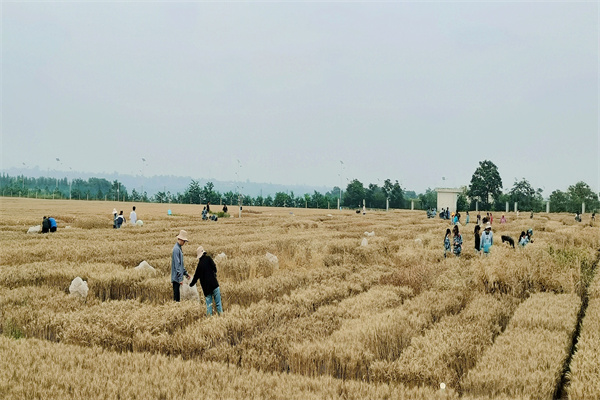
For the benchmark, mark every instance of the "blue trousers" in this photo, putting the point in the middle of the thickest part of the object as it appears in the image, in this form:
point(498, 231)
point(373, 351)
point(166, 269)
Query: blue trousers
point(216, 295)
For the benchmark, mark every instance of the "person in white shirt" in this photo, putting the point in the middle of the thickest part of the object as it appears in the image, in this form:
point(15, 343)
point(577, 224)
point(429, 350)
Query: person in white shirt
point(133, 216)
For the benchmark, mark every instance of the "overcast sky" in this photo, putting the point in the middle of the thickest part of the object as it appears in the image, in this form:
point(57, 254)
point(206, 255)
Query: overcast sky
point(408, 91)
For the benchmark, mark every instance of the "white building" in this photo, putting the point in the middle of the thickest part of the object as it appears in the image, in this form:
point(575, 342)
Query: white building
point(447, 198)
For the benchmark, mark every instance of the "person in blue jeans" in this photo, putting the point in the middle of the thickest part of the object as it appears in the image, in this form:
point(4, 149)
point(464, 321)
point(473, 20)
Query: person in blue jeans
point(206, 272)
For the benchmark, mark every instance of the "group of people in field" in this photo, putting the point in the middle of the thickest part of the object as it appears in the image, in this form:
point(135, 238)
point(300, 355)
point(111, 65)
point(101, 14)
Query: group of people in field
point(49, 225)
point(206, 274)
point(119, 219)
point(483, 240)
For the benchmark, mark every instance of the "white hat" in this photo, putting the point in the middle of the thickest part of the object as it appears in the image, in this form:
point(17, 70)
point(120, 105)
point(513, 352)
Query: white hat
point(200, 251)
point(182, 236)
point(114, 210)
point(488, 226)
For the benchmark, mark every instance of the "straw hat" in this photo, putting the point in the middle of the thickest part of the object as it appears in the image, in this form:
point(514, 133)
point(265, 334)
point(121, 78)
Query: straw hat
point(200, 251)
point(488, 226)
point(114, 210)
point(183, 236)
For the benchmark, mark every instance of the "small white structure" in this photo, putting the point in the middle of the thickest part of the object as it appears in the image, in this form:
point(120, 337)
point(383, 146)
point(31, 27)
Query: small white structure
point(364, 242)
point(447, 198)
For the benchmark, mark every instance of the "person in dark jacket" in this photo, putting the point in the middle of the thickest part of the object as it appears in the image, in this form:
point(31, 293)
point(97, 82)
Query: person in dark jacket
point(45, 225)
point(477, 239)
point(206, 272)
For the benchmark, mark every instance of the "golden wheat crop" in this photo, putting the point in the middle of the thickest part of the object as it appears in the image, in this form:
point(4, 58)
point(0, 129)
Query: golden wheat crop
point(532, 350)
point(330, 319)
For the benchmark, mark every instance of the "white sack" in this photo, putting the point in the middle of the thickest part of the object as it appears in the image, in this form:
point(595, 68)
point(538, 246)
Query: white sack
point(370, 233)
point(145, 266)
point(221, 256)
point(35, 229)
point(364, 242)
point(139, 222)
point(188, 292)
point(79, 287)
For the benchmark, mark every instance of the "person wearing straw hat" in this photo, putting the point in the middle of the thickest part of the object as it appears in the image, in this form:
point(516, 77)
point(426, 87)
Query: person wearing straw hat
point(487, 239)
point(177, 269)
point(206, 272)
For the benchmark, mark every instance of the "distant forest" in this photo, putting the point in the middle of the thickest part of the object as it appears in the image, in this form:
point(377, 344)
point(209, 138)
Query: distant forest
point(390, 194)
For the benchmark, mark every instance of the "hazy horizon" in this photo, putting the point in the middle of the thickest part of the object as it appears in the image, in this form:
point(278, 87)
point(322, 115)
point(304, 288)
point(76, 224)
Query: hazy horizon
point(304, 93)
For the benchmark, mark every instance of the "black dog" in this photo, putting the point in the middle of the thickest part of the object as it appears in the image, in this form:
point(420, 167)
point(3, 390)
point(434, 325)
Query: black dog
point(509, 240)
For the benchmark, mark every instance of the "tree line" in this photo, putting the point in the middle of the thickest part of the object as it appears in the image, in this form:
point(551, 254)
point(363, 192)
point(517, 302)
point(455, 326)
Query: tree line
point(484, 192)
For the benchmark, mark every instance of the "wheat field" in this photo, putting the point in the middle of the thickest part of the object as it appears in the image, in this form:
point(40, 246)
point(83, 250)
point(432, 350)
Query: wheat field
point(335, 317)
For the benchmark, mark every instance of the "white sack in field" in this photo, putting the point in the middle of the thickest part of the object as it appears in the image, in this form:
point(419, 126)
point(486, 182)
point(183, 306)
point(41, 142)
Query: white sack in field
point(221, 257)
point(139, 222)
point(418, 242)
point(145, 266)
point(188, 292)
point(35, 229)
point(272, 258)
point(370, 233)
point(364, 242)
point(79, 288)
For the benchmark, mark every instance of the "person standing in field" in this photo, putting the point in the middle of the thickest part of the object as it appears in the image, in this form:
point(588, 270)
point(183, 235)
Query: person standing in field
point(208, 207)
point(457, 241)
point(133, 216)
point(487, 239)
point(114, 218)
point(477, 239)
point(503, 219)
point(468, 218)
point(447, 242)
point(206, 272)
point(478, 218)
point(224, 208)
point(177, 269)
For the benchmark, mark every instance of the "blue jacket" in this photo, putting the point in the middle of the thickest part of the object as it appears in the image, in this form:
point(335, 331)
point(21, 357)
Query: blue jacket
point(177, 268)
point(52, 222)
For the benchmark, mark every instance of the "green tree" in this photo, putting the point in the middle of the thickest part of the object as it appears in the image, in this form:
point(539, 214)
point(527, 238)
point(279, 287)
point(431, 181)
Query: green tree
point(559, 201)
point(462, 202)
point(282, 200)
point(428, 199)
point(526, 197)
point(269, 201)
point(486, 184)
point(355, 193)
point(193, 193)
point(582, 193)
